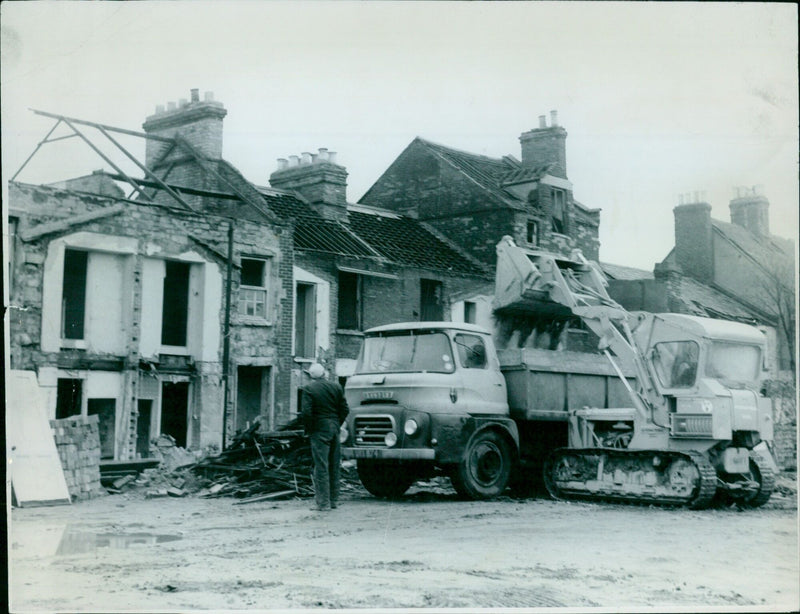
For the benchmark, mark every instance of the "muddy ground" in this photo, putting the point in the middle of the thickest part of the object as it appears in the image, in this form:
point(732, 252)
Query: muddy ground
point(428, 550)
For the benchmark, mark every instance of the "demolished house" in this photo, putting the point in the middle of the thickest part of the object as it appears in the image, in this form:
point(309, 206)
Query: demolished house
point(188, 304)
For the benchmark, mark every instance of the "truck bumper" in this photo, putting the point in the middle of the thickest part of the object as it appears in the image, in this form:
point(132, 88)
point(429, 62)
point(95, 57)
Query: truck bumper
point(389, 453)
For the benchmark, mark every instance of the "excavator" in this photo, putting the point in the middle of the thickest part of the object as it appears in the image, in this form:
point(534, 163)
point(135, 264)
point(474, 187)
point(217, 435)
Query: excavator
point(696, 429)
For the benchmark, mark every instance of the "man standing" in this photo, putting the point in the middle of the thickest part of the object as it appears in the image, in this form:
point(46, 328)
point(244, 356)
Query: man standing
point(324, 410)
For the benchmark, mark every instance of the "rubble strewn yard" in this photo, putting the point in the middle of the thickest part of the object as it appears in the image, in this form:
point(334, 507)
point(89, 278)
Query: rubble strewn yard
point(427, 550)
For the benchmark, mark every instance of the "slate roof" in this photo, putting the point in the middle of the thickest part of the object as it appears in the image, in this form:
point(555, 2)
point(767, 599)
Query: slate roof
point(616, 271)
point(405, 241)
point(699, 299)
point(494, 174)
point(766, 251)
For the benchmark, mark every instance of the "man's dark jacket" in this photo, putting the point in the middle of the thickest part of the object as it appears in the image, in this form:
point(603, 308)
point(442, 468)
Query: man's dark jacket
point(322, 401)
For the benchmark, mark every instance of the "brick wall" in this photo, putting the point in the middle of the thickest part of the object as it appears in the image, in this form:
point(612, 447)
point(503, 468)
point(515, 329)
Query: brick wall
point(693, 247)
point(78, 445)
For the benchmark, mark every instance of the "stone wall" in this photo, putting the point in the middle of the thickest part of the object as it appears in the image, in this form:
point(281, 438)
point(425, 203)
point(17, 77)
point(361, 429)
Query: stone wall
point(78, 444)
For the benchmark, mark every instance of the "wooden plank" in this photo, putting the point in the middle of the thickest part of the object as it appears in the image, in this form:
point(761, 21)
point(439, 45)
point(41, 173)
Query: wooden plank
point(37, 476)
point(272, 495)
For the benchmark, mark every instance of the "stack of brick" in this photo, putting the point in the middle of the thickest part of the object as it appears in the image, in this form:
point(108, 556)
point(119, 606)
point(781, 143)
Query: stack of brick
point(78, 443)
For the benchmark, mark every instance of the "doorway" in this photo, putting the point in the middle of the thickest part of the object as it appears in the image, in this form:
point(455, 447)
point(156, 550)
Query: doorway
point(105, 410)
point(143, 428)
point(175, 410)
point(252, 397)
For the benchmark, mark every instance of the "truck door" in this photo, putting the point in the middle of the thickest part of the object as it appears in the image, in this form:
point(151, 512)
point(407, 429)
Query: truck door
point(484, 390)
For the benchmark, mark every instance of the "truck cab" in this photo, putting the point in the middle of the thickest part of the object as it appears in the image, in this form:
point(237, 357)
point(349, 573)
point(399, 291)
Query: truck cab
point(422, 393)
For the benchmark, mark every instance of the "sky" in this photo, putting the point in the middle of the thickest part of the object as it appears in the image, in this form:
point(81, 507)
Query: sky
point(658, 99)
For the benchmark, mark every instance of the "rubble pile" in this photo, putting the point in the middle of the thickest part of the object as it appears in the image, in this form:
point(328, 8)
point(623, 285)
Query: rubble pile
point(255, 467)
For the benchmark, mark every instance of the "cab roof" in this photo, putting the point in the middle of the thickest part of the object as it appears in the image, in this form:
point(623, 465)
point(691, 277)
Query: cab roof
point(711, 328)
point(471, 328)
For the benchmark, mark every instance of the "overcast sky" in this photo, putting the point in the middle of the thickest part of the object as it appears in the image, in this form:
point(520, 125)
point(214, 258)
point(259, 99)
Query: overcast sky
point(659, 99)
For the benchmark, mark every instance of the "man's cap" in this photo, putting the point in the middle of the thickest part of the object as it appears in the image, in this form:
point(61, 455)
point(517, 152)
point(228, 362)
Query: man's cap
point(315, 370)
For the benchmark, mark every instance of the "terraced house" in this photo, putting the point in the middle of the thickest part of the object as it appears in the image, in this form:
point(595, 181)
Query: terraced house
point(190, 305)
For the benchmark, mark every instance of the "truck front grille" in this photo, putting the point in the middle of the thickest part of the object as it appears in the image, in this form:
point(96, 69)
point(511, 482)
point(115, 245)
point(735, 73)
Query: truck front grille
point(371, 430)
point(692, 425)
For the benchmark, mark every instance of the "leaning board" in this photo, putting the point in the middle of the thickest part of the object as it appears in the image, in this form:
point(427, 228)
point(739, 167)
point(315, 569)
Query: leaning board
point(34, 467)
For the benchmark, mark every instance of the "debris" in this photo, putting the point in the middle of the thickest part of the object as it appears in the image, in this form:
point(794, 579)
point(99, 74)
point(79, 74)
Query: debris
point(119, 483)
point(275, 495)
point(175, 492)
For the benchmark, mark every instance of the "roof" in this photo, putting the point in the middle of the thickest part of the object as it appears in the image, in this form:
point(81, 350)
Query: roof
point(408, 242)
point(699, 299)
point(626, 273)
point(765, 250)
point(716, 329)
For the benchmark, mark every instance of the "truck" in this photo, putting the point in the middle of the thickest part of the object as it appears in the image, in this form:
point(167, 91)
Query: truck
point(667, 411)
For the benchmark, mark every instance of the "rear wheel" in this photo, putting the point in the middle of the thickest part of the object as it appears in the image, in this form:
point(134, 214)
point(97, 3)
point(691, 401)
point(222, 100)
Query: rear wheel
point(385, 478)
point(485, 469)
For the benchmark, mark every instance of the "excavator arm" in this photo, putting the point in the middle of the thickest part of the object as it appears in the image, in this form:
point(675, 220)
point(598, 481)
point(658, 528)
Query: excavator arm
point(536, 284)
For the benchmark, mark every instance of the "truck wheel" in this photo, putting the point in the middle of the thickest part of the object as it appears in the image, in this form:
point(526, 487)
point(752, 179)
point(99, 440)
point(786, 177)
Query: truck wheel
point(385, 479)
point(484, 471)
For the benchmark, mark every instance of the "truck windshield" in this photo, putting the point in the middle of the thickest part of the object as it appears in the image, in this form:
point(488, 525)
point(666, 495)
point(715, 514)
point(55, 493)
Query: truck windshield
point(406, 351)
point(735, 362)
point(676, 363)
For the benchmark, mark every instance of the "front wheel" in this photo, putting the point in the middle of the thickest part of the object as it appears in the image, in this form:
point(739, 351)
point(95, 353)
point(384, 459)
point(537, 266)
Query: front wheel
point(485, 469)
point(385, 478)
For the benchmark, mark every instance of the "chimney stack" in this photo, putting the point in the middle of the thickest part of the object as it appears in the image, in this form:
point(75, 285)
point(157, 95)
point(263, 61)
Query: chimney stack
point(693, 248)
point(750, 210)
point(546, 145)
point(200, 123)
point(318, 179)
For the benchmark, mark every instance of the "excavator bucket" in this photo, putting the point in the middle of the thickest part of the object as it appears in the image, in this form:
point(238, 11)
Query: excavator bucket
point(529, 282)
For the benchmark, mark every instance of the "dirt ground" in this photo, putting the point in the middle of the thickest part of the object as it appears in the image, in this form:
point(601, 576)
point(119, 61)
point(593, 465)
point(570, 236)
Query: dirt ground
point(125, 552)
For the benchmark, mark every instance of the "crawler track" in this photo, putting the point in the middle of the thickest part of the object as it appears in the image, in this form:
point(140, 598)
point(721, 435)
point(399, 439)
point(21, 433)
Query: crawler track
point(652, 477)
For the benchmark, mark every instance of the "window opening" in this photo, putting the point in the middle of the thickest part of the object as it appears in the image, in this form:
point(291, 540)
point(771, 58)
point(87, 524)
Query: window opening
point(431, 304)
point(73, 302)
point(305, 321)
point(676, 363)
point(470, 312)
point(471, 351)
point(105, 410)
point(68, 397)
point(175, 310)
point(532, 233)
point(253, 288)
point(349, 315)
point(559, 210)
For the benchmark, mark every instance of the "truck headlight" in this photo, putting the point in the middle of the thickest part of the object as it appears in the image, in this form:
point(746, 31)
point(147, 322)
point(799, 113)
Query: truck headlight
point(410, 427)
point(390, 439)
point(343, 433)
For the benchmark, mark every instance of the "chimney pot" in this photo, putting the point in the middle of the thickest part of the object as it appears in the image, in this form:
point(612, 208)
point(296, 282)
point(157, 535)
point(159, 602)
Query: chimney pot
point(209, 96)
point(542, 121)
point(159, 109)
point(322, 156)
point(171, 106)
point(332, 157)
point(306, 157)
point(283, 163)
point(554, 118)
point(195, 95)
point(184, 102)
point(294, 160)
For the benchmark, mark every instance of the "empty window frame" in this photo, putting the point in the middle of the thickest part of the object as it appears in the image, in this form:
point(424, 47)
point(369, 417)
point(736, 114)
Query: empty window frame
point(175, 309)
point(305, 327)
point(350, 304)
point(73, 298)
point(68, 397)
point(431, 300)
point(470, 312)
point(253, 287)
point(532, 232)
point(559, 210)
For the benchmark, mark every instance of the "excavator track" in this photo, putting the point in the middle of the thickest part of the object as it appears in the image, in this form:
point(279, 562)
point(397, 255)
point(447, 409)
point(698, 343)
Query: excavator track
point(652, 477)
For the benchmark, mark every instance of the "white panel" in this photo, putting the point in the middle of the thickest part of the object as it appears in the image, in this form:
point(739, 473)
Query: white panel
point(105, 330)
point(104, 385)
point(212, 307)
point(33, 463)
point(52, 281)
point(153, 271)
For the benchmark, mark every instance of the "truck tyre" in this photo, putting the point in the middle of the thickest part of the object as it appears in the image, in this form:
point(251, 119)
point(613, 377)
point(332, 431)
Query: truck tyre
point(385, 478)
point(484, 470)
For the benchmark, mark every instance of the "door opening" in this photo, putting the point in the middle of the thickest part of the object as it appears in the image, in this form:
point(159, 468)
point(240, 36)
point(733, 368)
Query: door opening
point(174, 411)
